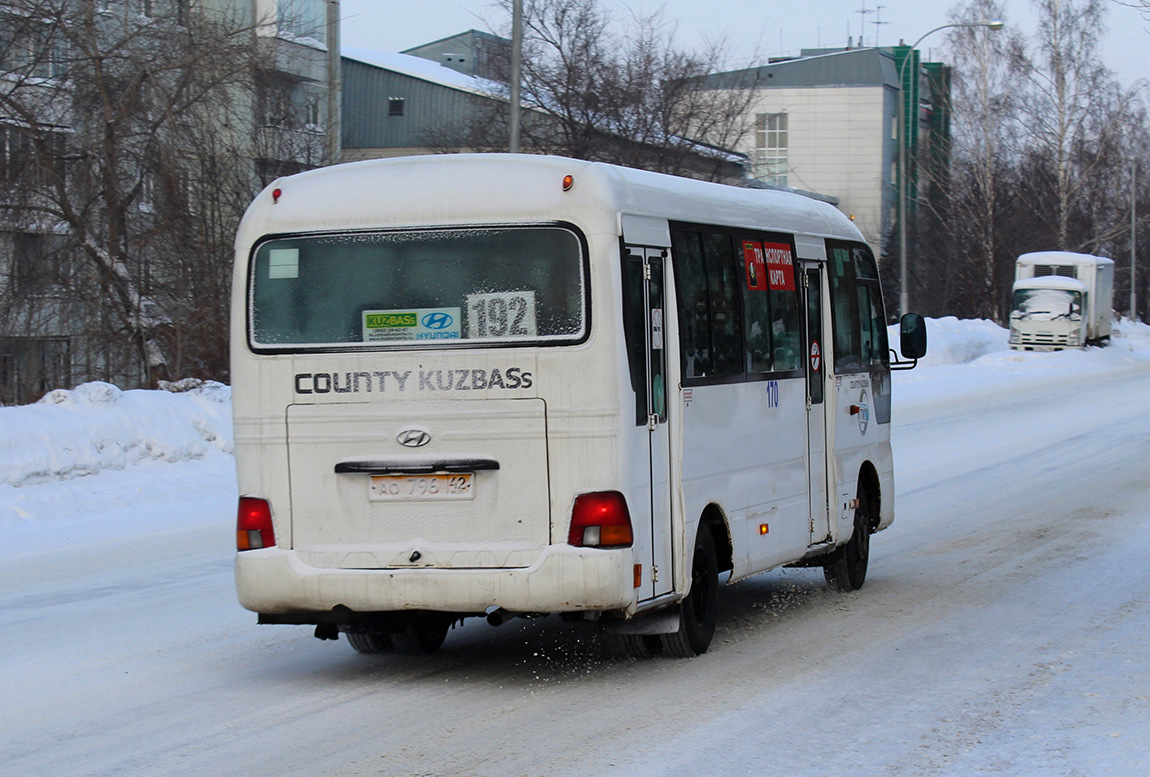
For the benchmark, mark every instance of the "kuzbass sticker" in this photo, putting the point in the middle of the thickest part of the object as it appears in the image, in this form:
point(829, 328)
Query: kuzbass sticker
point(411, 324)
point(864, 412)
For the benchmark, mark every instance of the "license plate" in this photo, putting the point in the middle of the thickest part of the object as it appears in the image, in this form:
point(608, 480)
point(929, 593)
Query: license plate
point(422, 488)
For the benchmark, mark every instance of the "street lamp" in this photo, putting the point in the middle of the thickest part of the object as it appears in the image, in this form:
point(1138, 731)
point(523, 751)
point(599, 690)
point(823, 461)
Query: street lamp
point(903, 296)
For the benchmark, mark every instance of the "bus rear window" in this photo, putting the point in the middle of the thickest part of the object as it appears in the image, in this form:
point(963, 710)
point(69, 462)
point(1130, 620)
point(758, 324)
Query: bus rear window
point(496, 286)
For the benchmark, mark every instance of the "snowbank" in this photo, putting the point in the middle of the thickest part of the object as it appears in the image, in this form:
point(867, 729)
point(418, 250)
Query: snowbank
point(972, 361)
point(954, 341)
point(97, 427)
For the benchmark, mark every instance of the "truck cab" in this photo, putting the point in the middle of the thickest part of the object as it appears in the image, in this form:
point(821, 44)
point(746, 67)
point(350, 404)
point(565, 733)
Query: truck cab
point(1061, 300)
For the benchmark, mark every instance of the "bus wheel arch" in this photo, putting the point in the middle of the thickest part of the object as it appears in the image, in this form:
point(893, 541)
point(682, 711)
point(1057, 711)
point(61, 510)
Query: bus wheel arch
point(698, 612)
point(868, 481)
point(715, 521)
point(846, 568)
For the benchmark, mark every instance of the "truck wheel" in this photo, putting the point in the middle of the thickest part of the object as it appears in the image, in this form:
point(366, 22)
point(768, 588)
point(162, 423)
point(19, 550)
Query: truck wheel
point(698, 613)
point(847, 570)
point(369, 641)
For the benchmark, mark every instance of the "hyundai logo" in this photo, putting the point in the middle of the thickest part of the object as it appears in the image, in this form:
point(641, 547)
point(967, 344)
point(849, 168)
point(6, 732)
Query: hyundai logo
point(438, 320)
point(413, 438)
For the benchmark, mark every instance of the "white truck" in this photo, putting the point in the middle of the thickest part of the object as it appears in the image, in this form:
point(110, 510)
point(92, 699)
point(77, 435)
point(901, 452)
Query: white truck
point(1061, 300)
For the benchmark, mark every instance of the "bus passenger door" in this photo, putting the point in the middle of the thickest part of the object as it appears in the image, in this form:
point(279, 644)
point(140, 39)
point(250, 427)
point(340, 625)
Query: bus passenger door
point(645, 273)
point(816, 413)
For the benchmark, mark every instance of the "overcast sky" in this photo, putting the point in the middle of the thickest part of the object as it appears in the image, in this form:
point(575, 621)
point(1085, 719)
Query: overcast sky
point(768, 27)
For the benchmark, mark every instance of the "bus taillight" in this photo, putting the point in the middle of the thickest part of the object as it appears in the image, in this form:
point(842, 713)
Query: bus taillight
point(600, 520)
point(254, 524)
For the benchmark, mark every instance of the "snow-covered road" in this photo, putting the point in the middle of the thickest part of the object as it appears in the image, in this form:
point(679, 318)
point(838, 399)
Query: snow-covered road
point(1003, 628)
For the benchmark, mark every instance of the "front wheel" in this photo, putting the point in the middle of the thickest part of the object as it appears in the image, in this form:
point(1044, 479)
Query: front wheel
point(847, 572)
point(699, 611)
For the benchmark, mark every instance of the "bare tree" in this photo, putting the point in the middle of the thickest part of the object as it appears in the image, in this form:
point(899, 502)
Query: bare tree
point(1074, 112)
point(116, 103)
point(985, 123)
point(600, 88)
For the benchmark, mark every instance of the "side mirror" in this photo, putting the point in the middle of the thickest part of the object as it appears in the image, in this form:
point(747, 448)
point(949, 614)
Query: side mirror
point(912, 342)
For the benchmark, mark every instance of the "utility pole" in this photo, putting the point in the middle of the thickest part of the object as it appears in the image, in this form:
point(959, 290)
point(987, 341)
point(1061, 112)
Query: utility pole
point(903, 139)
point(516, 71)
point(334, 85)
point(1133, 241)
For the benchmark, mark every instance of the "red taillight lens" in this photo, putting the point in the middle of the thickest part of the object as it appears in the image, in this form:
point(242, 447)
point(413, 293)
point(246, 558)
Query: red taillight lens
point(254, 524)
point(600, 520)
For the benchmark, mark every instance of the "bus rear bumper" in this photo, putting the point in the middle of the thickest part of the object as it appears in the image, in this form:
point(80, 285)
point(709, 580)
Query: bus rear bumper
point(274, 581)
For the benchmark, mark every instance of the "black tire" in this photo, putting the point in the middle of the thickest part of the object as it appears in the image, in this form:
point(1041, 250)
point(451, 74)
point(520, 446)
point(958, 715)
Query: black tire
point(847, 571)
point(628, 646)
point(424, 633)
point(369, 641)
point(699, 612)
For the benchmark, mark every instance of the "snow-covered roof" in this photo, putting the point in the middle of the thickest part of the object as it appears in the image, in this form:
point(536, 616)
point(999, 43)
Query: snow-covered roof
point(1051, 282)
point(425, 70)
point(1062, 257)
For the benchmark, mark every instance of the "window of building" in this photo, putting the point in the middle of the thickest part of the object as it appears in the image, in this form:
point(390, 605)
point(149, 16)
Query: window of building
point(31, 46)
point(395, 106)
point(770, 162)
point(313, 117)
point(40, 264)
point(30, 367)
point(302, 19)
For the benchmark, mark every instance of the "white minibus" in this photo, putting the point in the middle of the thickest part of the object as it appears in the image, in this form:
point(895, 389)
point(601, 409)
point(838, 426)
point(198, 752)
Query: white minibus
point(504, 385)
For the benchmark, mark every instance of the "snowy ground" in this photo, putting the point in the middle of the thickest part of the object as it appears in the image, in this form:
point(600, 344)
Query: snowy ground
point(1002, 629)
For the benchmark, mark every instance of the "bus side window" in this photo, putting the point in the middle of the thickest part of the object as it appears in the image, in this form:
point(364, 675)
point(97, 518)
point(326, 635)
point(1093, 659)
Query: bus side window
point(756, 307)
point(691, 280)
point(872, 324)
point(724, 274)
point(844, 305)
point(634, 323)
point(785, 312)
point(859, 323)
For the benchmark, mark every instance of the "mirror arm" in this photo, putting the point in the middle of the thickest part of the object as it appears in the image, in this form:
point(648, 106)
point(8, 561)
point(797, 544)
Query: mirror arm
point(901, 364)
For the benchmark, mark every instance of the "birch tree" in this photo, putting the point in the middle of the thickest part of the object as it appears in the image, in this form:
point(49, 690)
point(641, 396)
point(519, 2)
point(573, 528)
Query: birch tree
point(985, 123)
point(1073, 110)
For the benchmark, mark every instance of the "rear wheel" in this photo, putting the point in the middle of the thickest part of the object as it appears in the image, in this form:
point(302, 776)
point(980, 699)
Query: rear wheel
point(847, 572)
point(369, 641)
point(424, 633)
point(699, 611)
point(633, 646)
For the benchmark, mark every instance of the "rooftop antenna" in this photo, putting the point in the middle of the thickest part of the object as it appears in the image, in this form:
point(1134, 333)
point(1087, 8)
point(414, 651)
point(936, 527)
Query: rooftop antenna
point(878, 22)
point(862, 24)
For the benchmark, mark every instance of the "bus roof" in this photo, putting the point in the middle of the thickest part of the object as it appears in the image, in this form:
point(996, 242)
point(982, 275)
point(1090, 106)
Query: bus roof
point(449, 189)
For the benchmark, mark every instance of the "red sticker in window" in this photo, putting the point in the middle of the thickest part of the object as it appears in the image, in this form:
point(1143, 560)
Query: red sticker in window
point(756, 265)
point(780, 268)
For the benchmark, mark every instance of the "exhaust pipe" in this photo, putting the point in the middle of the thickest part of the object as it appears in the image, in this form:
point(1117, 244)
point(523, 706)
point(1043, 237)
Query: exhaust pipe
point(499, 616)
